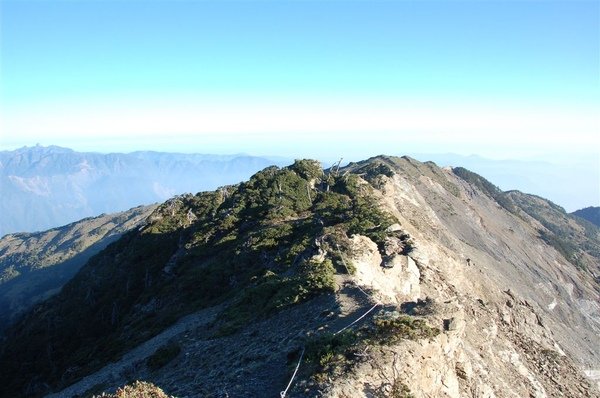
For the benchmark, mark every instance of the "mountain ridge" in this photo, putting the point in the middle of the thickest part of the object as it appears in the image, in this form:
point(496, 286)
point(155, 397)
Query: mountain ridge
point(431, 253)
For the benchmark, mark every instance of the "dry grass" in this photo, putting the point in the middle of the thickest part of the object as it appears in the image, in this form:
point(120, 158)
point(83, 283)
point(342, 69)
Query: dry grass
point(139, 389)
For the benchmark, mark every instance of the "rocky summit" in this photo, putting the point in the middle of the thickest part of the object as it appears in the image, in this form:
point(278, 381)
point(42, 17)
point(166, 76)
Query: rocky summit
point(385, 278)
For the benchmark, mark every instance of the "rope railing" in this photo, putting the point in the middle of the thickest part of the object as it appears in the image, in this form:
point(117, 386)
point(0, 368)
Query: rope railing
point(283, 393)
point(358, 319)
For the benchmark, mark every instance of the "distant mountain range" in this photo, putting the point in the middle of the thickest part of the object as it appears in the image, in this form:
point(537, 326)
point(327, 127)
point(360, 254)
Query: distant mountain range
point(45, 187)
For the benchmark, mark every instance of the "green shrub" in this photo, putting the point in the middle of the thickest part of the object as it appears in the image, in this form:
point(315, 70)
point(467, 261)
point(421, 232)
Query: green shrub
point(271, 294)
point(486, 187)
point(317, 277)
point(307, 169)
point(333, 208)
point(389, 330)
point(330, 354)
point(274, 293)
point(400, 390)
point(550, 355)
point(372, 173)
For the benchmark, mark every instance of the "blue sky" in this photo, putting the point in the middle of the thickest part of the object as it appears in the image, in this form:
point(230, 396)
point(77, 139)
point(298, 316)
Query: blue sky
point(302, 78)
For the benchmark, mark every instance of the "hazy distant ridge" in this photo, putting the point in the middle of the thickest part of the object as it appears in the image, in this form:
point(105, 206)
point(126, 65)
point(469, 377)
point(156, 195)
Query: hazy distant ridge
point(44, 187)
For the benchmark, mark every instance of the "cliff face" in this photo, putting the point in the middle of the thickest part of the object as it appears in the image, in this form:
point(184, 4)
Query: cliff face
point(389, 277)
point(518, 318)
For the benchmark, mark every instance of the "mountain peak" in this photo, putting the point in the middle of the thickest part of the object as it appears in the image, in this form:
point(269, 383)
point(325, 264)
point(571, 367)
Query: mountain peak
point(41, 149)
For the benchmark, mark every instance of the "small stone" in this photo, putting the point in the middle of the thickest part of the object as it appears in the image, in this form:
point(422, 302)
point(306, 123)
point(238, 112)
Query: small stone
point(394, 228)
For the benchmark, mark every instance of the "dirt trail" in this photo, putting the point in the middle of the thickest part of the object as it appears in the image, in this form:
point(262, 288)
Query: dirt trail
point(116, 372)
point(212, 356)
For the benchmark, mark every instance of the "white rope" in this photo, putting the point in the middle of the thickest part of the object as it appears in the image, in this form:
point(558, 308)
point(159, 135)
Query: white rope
point(282, 394)
point(359, 288)
point(363, 315)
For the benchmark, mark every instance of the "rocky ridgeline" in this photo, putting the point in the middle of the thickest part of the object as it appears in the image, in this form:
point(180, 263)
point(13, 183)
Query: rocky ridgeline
point(389, 277)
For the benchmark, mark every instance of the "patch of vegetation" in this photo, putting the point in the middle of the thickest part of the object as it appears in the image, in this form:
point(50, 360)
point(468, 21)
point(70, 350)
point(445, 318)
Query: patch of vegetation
point(335, 241)
point(566, 248)
point(400, 390)
point(333, 208)
point(437, 174)
point(367, 216)
point(316, 277)
point(591, 214)
point(390, 330)
point(163, 356)
point(421, 307)
point(562, 231)
point(374, 173)
point(274, 292)
point(139, 389)
point(308, 169)
point(330, 355)
point(550, 355)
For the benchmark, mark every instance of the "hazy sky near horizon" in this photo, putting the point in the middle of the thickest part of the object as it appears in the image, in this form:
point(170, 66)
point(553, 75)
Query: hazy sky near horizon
point(511, 79)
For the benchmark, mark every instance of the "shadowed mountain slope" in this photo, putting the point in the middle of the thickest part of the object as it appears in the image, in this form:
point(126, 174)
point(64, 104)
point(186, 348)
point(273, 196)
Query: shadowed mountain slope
point(592, 214)
point(34, 266)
